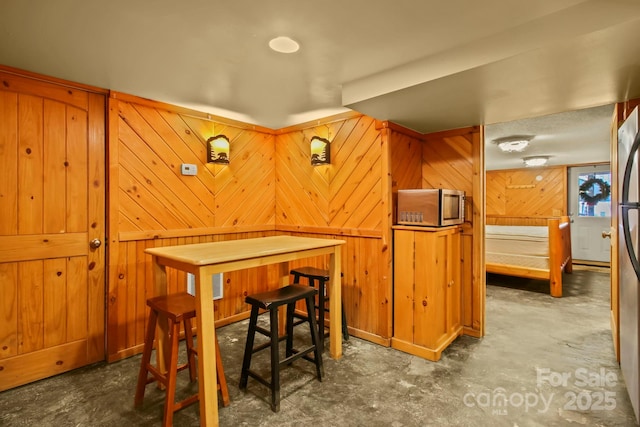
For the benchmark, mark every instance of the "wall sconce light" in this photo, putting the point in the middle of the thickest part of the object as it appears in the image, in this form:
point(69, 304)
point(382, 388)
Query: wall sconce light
point(320, 154)
point(535, 161)
point(218, 150)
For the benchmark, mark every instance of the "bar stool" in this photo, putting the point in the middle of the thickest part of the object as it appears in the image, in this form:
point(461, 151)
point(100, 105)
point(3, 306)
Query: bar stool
point(314, 275)
point(271, 301)
point(176, 308)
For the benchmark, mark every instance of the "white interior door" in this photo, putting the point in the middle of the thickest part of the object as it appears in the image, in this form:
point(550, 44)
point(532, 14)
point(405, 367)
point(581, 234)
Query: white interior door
point(590, 209)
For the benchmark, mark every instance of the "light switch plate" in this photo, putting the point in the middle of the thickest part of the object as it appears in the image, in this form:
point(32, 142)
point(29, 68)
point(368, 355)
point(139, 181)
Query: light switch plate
point(188, 169)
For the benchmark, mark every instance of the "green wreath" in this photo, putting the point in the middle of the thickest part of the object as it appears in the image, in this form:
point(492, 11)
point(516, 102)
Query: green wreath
point(603, 194)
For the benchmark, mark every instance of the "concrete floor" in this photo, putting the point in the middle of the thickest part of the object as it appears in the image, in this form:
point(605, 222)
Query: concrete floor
point(543, 362)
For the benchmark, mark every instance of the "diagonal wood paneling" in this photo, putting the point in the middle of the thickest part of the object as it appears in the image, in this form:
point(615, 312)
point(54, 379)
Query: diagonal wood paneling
point(447, 163)
point(344, 194)
point(406, 161)
point(154, 142)
point(539, 192)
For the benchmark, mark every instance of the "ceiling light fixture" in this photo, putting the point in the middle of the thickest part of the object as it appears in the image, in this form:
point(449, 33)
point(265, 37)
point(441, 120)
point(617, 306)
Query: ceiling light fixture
point(510, 144)
point(284, 44)
point(535, 161)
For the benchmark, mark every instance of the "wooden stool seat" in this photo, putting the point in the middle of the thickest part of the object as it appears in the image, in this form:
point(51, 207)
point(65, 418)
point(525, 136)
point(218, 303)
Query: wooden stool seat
point(271, 301)
point(176, 309)
point(322, 277)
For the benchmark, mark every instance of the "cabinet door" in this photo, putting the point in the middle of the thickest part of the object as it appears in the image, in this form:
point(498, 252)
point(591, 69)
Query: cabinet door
point(403, 283)
point(430, 288)
point(454, 293)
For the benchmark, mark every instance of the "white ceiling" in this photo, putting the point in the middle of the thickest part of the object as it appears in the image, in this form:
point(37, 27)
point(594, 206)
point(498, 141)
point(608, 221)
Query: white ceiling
point(570, 138)
point(429, 65)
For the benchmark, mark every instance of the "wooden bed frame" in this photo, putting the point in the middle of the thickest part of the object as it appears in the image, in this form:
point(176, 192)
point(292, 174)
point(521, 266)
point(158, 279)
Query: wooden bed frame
point(559, 254)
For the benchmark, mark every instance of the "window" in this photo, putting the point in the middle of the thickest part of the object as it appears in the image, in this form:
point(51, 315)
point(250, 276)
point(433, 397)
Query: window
point(594, 194)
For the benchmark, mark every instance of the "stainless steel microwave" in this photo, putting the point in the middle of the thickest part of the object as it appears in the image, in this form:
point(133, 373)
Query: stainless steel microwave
point(430, 207)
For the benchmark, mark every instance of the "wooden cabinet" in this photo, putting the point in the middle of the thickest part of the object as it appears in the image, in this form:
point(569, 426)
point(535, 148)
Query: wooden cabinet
point(426, 289)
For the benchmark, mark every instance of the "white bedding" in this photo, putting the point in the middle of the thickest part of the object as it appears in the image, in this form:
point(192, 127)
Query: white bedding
point(526, 246)
point(517, 260)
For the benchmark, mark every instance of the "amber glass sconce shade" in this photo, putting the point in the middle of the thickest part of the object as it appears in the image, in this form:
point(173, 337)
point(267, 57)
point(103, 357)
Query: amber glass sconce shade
point(320, 154)
point(218, 150)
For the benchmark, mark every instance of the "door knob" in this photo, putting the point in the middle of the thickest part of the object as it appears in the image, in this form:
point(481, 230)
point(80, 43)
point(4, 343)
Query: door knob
point(95, 243)
point(606, 234)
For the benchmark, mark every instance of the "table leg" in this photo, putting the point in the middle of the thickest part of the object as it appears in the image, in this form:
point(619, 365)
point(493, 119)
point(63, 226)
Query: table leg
point(335, 303)
point(207, 381)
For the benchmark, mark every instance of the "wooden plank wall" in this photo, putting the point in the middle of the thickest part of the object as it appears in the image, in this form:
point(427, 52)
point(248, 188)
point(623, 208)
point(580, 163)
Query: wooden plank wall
point(527, 193)
point(406, 162)
point(268, 188)
point(151, 204)
point(454, 159)
point(344, 196)
point(342, 200)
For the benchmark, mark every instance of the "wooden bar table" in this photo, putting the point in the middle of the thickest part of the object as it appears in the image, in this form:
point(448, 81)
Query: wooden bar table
point(203, 260)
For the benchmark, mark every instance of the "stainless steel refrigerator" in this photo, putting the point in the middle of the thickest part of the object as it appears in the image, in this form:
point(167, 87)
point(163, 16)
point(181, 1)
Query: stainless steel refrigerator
point(629, 240)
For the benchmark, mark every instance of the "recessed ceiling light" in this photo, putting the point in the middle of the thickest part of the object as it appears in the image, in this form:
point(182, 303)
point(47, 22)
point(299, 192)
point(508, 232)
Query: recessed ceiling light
point(284, 44)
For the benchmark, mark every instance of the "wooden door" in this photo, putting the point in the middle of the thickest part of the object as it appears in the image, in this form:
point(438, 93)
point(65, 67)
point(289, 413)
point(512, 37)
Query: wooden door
point(613, 236)
point(454, 294)
point(52, 199)
point(403, 285)
point(589, 220)
point(430, 316)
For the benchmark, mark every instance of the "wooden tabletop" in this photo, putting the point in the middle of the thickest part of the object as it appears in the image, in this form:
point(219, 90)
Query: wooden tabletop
point(200, 254)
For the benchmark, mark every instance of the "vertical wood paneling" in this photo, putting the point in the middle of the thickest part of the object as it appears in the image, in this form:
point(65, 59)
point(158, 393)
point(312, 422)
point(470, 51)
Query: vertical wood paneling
point(52, 142)
point(77, 307)
point(55, 301)
point(77, 169)
point(30, 164)
point(9, 163)
point(8, 309)
point(30, 306)
point(55, 156)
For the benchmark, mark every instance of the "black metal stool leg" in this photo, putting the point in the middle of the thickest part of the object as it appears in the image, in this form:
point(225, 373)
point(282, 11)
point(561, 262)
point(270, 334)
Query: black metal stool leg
point(275, 361)
point(248, 349)
point(321, 310)
point(289, 347)
point(315, 340)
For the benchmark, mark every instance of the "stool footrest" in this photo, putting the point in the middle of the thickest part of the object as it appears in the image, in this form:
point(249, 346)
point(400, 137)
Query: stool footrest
point(297, 355)
point(258, 378)
point(263, 331)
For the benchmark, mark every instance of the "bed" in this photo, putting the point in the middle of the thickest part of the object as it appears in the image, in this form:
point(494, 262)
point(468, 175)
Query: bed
point(537, 252)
